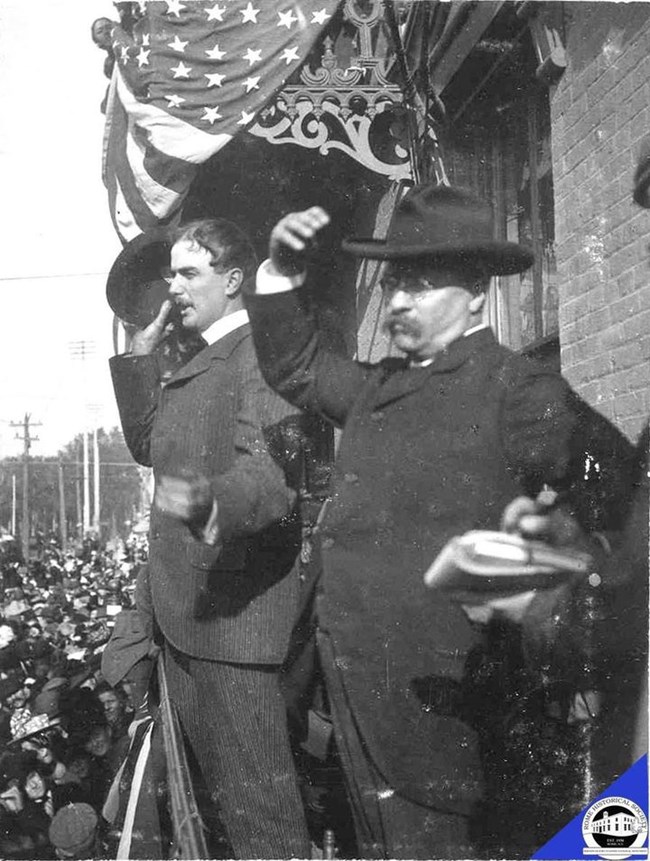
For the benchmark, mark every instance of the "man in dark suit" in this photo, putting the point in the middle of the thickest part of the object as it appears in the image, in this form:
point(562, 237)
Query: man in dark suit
point(433, 444)
point(224, 536)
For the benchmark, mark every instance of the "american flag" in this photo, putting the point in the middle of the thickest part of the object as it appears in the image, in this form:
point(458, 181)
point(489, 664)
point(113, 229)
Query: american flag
point(188, 78)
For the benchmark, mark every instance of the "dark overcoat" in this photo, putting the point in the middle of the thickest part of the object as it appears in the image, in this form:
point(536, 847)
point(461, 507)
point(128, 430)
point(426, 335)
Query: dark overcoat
point(212, 418)
point(425, 454)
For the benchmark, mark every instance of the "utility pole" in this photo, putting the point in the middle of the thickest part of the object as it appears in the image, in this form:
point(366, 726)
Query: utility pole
point(96, 508)
point(27, 440)
point(13, 504)
point(63, 523)
point(83, 350)
point(86, 472)
point(77, 487)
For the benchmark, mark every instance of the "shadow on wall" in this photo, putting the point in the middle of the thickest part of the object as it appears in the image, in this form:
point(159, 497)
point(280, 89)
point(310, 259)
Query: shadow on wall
point(254, 184)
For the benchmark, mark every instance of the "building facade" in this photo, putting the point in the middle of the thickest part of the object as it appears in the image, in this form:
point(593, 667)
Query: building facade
point(546, 111)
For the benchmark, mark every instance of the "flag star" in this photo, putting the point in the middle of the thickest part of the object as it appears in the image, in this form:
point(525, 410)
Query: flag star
point(289, 55)
point(320, 17)
point(211, 114)
point(249, 14)
point(174, 7)
point(216, 13)
point(252, 56)
point(216, 53)
point(124, 53)
point(145, 39)
point(252, 84)
point(181, 71)
point(286, 19)
point(178, 44)
point(174, 101)
point(143, 57)
point(215, 79)
point(246, 118)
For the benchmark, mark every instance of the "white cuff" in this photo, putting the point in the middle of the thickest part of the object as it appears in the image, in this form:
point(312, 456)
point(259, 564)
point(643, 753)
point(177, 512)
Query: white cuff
point(268, 282)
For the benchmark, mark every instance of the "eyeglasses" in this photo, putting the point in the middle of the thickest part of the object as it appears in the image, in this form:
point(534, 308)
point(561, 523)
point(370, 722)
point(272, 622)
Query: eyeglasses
point(418, 285)
point(410, 283)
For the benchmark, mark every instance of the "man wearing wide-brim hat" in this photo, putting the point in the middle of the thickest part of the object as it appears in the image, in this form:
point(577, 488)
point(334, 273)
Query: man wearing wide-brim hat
point(433, 444)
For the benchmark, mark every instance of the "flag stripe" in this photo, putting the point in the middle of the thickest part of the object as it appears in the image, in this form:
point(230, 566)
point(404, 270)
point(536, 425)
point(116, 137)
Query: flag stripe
point(123, 219)
point(158, 198)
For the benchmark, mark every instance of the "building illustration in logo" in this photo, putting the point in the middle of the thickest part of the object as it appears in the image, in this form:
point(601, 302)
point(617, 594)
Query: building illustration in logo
point(614, 824)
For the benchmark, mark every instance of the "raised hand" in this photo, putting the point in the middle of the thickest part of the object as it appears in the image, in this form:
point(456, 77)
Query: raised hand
point(291, 237)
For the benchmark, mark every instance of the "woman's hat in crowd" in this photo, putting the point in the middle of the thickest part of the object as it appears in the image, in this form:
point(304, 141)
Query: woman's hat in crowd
point(24, 724)
point(642, 176)
point(73, 829)
point(136, 285)
point(447, 226)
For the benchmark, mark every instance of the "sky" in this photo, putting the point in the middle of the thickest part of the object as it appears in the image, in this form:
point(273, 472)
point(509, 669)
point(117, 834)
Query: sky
point(58, 242)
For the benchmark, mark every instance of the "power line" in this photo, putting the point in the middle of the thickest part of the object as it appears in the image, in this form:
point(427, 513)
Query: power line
point(55, 461)
point(61, 275)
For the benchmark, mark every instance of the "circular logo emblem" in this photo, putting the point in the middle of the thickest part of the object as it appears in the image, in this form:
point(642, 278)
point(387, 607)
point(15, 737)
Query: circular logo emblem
point(615, 828)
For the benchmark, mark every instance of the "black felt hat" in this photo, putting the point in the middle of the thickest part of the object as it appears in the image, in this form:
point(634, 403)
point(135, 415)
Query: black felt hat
point(136, 287)
point(448, 226)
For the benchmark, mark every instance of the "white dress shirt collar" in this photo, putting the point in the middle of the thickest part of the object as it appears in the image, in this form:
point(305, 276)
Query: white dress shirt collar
point(225, 325)
point(426, 362)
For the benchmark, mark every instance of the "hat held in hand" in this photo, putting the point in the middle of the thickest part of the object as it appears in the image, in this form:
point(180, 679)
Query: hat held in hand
point(136, 285)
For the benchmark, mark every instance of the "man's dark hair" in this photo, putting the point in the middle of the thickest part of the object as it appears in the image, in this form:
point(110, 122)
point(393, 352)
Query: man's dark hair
point(227, 244)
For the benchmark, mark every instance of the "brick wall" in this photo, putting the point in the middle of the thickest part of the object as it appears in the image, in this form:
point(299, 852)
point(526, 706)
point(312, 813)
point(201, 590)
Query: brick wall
point(600, 112)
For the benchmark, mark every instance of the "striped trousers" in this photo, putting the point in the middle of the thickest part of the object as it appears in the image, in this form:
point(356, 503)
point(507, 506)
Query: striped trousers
point(234, 720)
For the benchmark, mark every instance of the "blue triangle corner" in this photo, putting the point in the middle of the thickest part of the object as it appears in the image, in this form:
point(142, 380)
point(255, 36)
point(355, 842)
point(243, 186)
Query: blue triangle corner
point(568, 844)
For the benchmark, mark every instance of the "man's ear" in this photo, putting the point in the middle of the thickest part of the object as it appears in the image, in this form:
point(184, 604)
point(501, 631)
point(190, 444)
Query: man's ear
point(234, 283)
point(476, 303)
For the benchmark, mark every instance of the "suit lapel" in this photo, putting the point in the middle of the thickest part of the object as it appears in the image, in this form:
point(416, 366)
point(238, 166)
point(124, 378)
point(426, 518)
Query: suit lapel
point(399, 383)
point(203, 361)
point(405, 380)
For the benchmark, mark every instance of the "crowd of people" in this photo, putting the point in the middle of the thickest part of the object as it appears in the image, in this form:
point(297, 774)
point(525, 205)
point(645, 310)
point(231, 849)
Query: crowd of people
point(63, 727)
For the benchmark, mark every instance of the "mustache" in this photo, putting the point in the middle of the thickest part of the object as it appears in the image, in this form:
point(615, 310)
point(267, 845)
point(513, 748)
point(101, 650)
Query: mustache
point(394, 323)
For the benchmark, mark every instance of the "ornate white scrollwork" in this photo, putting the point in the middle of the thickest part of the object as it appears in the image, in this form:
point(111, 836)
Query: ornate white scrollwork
point(331, 125)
